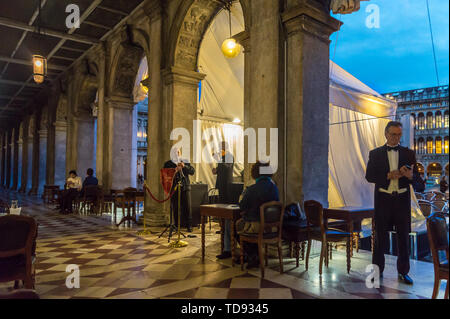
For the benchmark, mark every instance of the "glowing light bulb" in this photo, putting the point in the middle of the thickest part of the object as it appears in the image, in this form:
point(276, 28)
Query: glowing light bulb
point(230, 48)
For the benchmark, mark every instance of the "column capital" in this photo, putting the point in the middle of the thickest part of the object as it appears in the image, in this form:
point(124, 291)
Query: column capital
point(118, 102)
point(60, 125)
point(182, 76)
point(306, 17)
point(243, 38)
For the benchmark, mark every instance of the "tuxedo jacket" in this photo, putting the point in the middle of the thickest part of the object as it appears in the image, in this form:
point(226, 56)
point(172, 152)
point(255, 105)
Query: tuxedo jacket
point(378, 168)
point(225, 174)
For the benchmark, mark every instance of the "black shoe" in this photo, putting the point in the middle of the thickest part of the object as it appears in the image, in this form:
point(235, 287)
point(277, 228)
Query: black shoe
point(406, 279)
point(224, 255)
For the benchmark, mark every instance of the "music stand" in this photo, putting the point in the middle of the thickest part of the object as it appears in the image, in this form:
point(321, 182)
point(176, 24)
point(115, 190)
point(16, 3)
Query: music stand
point(165, 174)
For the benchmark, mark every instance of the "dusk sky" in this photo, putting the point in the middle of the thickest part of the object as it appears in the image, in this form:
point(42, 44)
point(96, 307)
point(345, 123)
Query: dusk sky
point(398, 55)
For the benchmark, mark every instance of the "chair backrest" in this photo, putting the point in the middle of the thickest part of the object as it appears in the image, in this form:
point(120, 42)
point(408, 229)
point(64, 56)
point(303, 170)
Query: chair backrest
point(91, 191)
point(437, 229)
point(439, 204)
point(438, 196)
point(271, 215)
point(425, 207)
point(129, 194)
point(419, 195)
point(314, 214)
point(17, 234)
point(429, 195)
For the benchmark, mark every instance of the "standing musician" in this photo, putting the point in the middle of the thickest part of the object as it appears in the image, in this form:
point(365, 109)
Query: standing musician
point(182, 171)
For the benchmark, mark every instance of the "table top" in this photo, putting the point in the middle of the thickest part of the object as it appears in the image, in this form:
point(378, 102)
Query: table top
point(220, 210)
point(349, 212)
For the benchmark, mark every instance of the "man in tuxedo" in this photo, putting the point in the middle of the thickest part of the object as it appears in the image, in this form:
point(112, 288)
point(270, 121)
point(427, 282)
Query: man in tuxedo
point(391, 168)
point(224, 172)
point(183, 169)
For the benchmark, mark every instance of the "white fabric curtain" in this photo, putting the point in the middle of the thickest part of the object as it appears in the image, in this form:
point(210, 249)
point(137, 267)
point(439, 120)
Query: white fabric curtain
point(209, 142)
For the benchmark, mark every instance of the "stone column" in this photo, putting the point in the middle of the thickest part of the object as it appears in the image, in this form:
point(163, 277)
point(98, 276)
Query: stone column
point(101, 136)
point(3, 158)
point(309, 27)
point(42, 171)
point(8, 167)
point(120, 148)
point(154, 212)
point(15, 157)
point(19, 162)
point(60, 153)
point(29, 175)
point(84, 131)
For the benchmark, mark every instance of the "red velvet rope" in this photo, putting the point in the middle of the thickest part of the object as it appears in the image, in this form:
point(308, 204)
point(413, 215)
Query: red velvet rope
point(157, 200)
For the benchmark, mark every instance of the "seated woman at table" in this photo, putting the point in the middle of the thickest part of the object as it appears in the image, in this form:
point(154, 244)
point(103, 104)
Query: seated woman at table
point(264, 190)
point(73, 187)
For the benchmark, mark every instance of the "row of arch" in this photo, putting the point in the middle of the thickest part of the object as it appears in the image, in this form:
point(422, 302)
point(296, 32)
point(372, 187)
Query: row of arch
point(433, 169)
point(430, 145)
point(431, 120)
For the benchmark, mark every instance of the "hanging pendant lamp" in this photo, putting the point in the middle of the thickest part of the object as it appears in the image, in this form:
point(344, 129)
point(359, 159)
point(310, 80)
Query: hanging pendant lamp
point(230, 47)
point(39, 61)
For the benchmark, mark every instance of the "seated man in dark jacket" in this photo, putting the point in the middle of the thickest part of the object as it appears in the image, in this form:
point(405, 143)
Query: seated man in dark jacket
point(263, 191)
point(90, 179)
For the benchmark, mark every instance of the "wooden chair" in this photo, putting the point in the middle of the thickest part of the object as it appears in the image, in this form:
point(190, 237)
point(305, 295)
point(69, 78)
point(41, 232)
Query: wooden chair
point(438, 196)
point(426, 207)
point(318, 230)
point(128, 204)
point(437, 229)
point(441, 205)
point(92, 194)
point(271, 215)
point(17, 245)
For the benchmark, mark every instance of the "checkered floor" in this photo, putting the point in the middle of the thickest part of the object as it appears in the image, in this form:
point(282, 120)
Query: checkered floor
point(118, 263)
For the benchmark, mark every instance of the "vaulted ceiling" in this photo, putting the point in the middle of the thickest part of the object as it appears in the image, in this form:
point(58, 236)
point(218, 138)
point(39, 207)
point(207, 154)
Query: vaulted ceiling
point(62, 46)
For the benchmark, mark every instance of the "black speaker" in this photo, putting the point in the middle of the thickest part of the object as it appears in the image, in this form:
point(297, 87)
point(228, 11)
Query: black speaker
point(199, 196)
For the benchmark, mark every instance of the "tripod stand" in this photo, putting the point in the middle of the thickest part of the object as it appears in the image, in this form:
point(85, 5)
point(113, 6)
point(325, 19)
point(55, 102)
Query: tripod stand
point(172, 228)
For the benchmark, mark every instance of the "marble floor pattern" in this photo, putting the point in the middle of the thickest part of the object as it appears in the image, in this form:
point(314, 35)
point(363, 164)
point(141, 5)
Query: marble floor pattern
point(118, 263)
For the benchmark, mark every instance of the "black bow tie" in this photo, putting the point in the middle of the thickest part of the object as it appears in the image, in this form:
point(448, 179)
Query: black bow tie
point(395, 148)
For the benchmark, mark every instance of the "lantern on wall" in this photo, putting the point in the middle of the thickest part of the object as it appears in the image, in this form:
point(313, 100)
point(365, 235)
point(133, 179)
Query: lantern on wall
point(230, 47)
point(39, 68)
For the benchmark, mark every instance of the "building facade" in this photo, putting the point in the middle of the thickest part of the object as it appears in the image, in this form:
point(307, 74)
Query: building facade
point(427, 110)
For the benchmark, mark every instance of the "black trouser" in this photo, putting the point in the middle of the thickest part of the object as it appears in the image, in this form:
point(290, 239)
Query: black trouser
point(67, 199)
point(396, 211)
point(186, 215)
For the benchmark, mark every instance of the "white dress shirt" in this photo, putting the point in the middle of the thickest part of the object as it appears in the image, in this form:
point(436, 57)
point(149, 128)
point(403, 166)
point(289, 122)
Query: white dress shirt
point(393, 165)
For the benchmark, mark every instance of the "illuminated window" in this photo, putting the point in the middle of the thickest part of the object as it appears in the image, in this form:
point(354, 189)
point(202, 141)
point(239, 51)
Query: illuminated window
point(438, 145)
point(421, 121)
point(446, 119)
point(446, 145)
point(421, 146)
point(438, 120)
point(429, 120)
point(429, 145)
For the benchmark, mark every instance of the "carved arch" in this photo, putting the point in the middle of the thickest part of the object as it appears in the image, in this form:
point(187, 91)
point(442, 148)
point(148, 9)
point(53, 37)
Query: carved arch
point(191, 21)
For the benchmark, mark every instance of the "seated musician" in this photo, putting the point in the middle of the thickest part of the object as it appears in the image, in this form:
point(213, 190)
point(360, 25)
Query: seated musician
point(73, 187)
point(264, 190)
